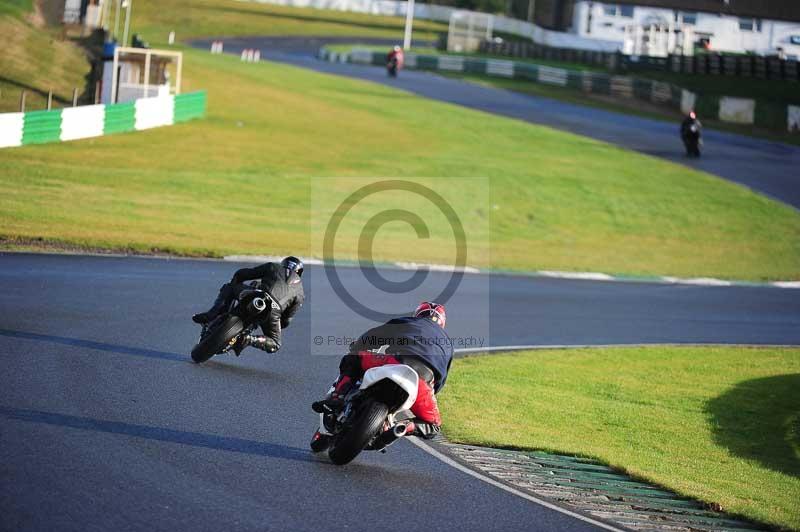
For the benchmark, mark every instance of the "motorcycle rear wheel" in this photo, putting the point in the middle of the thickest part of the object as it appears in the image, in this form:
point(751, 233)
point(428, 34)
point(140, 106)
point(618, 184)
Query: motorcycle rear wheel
point(353, 438)
point(216, 340)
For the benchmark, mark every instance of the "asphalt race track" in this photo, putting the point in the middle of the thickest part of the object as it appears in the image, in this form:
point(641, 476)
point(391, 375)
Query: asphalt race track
point(767, 167)
point(106, 424)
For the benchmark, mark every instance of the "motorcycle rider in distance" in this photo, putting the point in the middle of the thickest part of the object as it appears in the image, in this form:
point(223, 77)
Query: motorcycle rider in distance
point(690, 134)
point(418, 341)
point(394, 61)
point(282, 282)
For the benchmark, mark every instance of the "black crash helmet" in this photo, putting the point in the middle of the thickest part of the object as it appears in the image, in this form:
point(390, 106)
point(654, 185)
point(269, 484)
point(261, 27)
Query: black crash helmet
point(292, 264)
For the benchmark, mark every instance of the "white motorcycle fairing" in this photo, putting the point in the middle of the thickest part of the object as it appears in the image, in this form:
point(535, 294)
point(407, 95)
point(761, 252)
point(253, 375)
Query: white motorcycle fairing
point(402, 375)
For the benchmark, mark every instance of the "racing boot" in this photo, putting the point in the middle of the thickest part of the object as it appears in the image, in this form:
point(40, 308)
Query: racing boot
point(206, 317)
point(258, 341)
point(334, 400)
point(329, 407)
point(225, 294)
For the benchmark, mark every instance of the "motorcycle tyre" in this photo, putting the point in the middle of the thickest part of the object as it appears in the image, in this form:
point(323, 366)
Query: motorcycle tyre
point(351, 441)
point(218, 339)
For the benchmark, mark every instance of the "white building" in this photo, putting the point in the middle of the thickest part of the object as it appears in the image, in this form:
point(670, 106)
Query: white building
point(659, 31)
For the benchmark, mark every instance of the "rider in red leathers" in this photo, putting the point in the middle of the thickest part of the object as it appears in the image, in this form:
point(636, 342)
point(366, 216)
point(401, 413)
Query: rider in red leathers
point(394, 61)
point(418, 341)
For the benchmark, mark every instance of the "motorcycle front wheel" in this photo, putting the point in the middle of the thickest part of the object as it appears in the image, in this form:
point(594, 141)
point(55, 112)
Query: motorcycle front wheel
point(367, 423)
point(218, 339)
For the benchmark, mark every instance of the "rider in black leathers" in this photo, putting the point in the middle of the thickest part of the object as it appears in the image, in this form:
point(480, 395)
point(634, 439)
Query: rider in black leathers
point(691, 131)
point(282, 282)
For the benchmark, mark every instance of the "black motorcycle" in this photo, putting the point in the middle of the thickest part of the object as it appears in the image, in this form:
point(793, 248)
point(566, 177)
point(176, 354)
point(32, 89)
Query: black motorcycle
point(241, 318)
point(691, 140)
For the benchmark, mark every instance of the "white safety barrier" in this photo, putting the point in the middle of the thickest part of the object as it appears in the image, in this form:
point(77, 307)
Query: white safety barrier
point(82, 122)
point(154, 112)
point(71, 123)
point(500, 67)
point(553, 76)
point(737, 110)
point(793, 118)
point(453, 63)
point(11, 127)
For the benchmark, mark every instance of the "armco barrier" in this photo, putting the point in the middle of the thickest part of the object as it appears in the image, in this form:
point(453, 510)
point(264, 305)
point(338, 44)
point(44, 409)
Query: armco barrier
point(597, 82)
point(71, 123)
point(119, 118)
point(41, 127)
point(715, 64)
point(737, 110)
point(189, 106)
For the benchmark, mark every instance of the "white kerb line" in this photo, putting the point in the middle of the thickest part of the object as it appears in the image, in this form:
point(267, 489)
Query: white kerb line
point(452, 463)
point(527, 496)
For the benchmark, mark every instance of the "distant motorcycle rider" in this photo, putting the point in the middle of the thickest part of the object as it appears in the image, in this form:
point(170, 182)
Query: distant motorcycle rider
point(690, 134)
point(282, 282)
point(394, 60)
point(418, 341)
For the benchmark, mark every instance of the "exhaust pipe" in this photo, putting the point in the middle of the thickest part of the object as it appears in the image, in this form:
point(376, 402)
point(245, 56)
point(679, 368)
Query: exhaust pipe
point(257, 305)
point(390, 436)
point(400, 430)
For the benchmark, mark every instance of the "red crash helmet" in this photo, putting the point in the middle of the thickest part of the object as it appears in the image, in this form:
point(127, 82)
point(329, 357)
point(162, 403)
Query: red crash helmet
point(434, 311)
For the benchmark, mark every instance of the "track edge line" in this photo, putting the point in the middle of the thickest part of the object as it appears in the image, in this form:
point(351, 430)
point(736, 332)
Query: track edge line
point(483, 478)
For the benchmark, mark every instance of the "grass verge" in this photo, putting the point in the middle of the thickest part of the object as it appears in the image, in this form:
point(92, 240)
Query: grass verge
point(228, 18)
point(37, 59)
point(721, 424)
point(239, 181)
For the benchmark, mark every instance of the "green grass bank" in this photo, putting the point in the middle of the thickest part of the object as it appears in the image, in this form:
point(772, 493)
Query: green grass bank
point(36, 59)
point(721, 424)
point(240, 181)
point(229, 18)
point(558, 201)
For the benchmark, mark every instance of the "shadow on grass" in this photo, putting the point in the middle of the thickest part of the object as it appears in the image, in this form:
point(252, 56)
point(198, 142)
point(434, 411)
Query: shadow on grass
point(759, 420)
